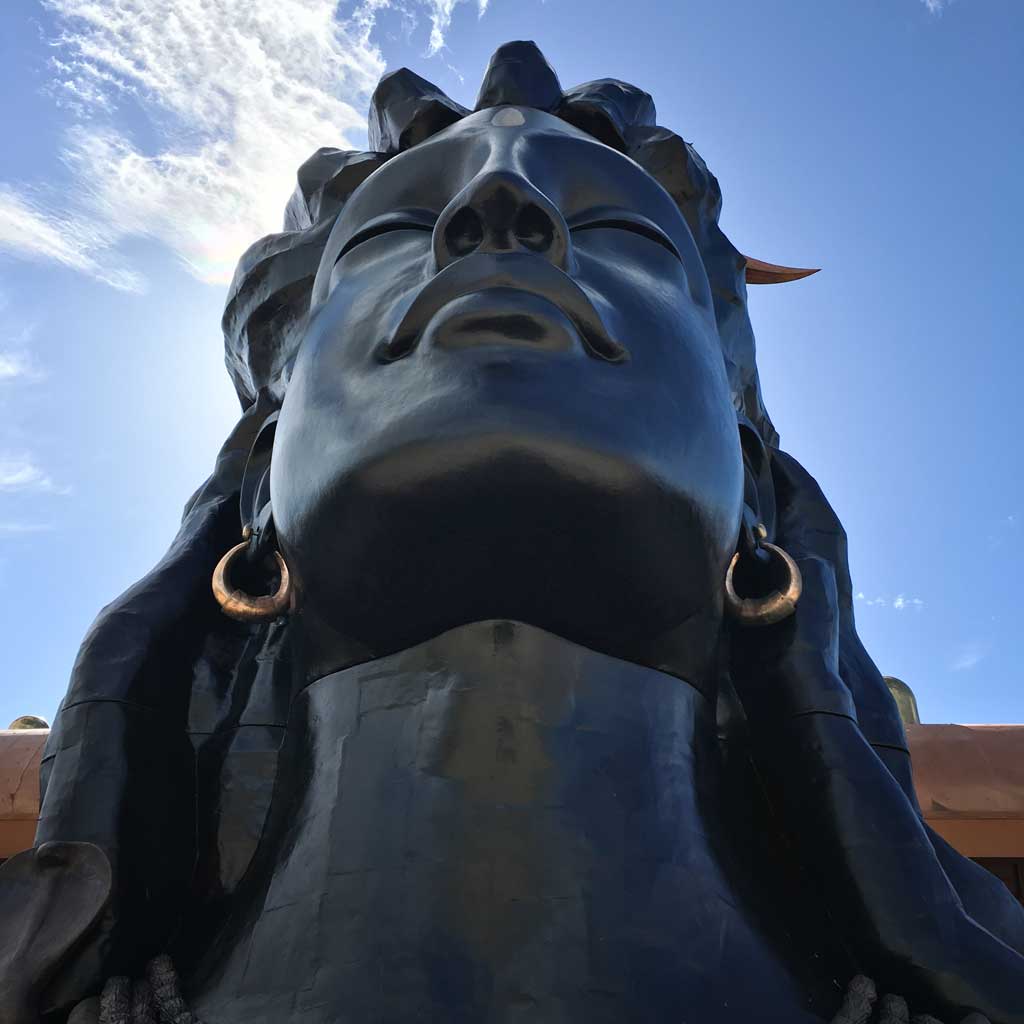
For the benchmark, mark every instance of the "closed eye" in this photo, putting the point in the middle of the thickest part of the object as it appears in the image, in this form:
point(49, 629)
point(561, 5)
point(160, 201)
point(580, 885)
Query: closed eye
point(403, 220)
point(637, 225)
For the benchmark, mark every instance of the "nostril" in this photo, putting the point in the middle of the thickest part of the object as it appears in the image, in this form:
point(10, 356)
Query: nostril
point(535, 229)
point(464, 232)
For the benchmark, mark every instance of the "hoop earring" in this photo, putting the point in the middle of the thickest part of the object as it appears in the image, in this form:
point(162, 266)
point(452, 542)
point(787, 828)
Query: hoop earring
point(243, 607)
point(773, 607)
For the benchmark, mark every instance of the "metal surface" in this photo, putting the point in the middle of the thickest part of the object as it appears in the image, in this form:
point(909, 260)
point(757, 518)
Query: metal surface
point(237, 604)
point(29, 722)
point(773, 607)
point(906, 702)
point(759, 272)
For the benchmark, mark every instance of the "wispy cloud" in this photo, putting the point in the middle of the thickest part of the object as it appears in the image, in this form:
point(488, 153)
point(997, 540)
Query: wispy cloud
point(936, 6)
point(15, 364)
point(21, 473)
point(969, 655)
point(239, 93)
point(17, 529)
point(1003, 531)
point(441, 19)
point(898, 603)
point(28, 230)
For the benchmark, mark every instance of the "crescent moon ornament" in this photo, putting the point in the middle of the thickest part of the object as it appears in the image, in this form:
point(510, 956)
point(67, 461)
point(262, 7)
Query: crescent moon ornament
point(759, 272)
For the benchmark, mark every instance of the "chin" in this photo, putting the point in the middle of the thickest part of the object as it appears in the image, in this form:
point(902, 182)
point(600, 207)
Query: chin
point(430, 534)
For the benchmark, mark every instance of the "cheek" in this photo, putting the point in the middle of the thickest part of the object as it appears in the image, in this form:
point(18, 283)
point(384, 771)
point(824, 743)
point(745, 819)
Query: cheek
point(636, 266)
point(686, 411)
point(332, 400)
point(645, 292)
point(642, 285)
point(370, 290)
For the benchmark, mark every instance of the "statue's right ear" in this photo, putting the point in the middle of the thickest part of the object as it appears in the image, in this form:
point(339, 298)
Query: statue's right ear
point(254, 499)
point(758, 487)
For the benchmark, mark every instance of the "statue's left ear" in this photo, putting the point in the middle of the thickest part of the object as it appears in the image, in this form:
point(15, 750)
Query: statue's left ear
point(758, 488)
point(254, 499)
point(240, 578)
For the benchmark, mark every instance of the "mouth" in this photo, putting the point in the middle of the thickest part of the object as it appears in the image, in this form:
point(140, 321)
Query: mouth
point(530, 276)
point(501, 318)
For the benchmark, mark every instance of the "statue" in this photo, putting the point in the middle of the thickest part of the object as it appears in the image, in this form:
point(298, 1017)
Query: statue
point(527, 687)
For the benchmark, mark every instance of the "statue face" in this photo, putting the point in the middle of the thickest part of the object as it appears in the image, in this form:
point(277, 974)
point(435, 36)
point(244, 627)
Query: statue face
point(510, 400)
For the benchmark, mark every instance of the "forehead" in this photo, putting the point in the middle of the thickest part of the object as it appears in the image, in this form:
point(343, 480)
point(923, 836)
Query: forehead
point(571, 168)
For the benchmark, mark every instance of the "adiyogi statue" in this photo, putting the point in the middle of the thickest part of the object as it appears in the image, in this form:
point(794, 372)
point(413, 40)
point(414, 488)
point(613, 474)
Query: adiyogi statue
point(505, 668)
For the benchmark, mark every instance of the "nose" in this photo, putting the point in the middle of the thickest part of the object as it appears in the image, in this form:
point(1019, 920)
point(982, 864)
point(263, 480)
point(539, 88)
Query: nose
point(497, 212)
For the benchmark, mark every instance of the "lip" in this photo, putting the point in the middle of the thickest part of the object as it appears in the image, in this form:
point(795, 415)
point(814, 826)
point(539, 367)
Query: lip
point(501, 317)
point(520, 272)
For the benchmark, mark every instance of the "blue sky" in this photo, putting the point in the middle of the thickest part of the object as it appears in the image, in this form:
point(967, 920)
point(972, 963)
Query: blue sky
point(147, 142)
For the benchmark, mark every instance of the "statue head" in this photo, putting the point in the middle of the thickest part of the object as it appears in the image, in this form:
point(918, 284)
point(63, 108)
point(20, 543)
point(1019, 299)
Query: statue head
point(509, 399)
point(503, 387)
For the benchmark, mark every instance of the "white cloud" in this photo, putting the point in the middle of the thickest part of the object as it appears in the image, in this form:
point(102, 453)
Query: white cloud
point(441, 18)
point(936, 6)
point(14, 364)
point(899, 603)
point(238, 92)
point(15, 529)
point(20, 473)
point(16, 361)
point(31, 232)
point(969, 656)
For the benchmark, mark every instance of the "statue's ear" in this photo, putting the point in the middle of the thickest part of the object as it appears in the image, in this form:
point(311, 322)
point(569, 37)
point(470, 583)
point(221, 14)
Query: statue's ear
point(758, 487)
point(254, 499)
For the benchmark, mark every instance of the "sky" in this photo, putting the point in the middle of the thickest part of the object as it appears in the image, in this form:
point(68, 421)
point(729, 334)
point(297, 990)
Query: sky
point(146, 143)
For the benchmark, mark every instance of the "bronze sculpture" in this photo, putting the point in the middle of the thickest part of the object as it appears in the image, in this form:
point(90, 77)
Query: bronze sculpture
point(476, 740)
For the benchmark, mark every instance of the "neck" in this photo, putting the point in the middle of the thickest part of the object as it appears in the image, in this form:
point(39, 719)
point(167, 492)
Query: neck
point(492, 819)
point(689, 651)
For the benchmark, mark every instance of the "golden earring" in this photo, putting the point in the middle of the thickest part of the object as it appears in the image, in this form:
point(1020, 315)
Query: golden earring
point(237, 604)
point(773, 607)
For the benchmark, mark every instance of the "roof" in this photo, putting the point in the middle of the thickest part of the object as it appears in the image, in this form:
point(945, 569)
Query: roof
point(970, 784)
point(20, 753)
